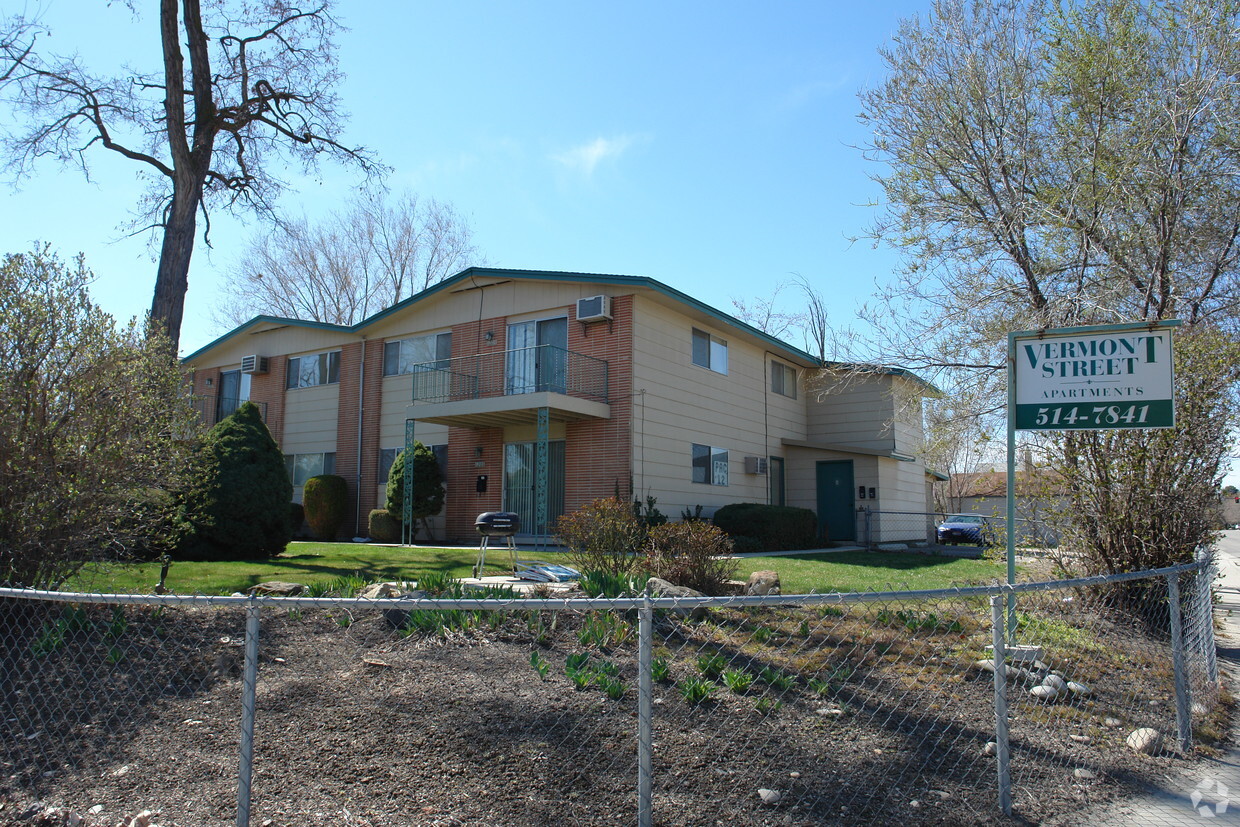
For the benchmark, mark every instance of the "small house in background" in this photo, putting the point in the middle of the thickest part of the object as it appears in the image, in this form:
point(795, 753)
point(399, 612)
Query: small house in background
point(622, 384)
point(985, 492)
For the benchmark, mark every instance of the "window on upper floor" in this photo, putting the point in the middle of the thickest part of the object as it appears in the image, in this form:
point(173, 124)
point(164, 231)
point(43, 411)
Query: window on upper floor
point(710, 465)
point(783, 380)
point(400, 356)
point(388, 455)
point(710, 351)
point(302, 467)
point(317, 369)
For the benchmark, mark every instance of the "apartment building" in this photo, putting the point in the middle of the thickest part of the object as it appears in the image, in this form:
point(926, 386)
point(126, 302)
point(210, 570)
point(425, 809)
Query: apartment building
point(540, 391)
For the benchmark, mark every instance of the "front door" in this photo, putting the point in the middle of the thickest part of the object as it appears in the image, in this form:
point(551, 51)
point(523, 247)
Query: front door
point(521, 481)
point(836, 512)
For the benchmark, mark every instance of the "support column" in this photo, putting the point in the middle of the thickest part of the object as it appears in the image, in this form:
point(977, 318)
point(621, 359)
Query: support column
point(541, 463)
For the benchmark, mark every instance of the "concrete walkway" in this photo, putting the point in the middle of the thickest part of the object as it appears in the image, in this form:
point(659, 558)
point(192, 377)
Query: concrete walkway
point(1196, 797)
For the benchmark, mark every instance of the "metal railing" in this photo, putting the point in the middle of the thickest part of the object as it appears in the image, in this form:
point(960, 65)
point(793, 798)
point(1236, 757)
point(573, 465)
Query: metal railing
point(511, 372)
point(916, 706)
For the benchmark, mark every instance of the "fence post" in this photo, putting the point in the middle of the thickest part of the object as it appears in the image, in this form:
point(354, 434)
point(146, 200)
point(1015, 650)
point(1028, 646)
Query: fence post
point(249, 686)
point(1183, 708)
point(645, 694)
point(1001, 712)
point(1205, 611)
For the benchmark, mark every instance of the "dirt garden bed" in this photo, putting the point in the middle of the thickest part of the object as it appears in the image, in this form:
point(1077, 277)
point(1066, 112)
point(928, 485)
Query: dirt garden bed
point(856, 715)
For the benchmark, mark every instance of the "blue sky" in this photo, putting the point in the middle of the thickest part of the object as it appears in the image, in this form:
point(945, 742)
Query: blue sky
point(712, 146)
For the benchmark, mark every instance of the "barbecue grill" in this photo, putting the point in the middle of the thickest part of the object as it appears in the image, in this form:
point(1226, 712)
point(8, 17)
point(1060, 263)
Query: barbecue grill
point(496, 524)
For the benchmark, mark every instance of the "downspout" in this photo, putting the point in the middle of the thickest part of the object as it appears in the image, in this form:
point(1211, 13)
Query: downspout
point(361, 402)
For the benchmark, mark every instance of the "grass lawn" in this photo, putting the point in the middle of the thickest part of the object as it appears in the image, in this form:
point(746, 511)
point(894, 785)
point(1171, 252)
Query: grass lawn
point(323, 562)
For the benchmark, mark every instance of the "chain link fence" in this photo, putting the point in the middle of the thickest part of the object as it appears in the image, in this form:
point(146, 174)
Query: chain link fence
point(950, 706)
point(950, 531)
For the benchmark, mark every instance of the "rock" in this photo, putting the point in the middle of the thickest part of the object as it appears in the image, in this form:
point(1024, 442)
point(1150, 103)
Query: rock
point(1078, 689)
point(985, 665)
point(1083, 774)
point(826, 710)
point(1080, 739)
point(762, 583)
point(659, 587)
point(941, 794)
point(1198, 709)
point(915, 804)
point(142, 819)
point(991, 748)
point(794, 774)
point(1046, 694)
point(770, 797)
point(733, 587)
point(1112, 722)
point(277, 588)
point(380, 591)
point(1054, 682)
point(1145, 740)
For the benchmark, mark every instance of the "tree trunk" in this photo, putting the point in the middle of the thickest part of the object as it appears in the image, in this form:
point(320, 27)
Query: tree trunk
point(172, 278)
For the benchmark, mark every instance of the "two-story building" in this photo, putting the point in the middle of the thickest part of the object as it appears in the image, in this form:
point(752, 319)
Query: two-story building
point(541, 391)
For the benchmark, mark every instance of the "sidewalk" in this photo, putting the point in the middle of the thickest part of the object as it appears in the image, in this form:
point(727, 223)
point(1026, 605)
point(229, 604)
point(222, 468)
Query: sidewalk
point(1171, 803)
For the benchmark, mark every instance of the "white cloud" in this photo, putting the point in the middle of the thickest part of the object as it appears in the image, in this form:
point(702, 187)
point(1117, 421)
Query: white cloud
point(587, 156)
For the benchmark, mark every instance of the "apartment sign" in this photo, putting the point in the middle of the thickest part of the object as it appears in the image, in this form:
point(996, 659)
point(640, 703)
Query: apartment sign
point(1094, 378)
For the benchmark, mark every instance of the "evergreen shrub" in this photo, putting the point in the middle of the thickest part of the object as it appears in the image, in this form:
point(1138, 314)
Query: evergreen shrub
point(326, 500)
point(383, 527)
point(776, 527)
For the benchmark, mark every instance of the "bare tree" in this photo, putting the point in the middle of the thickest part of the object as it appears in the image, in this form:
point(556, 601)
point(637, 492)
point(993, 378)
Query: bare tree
point(259, 85)
point(1049, 165)
point(353, 263)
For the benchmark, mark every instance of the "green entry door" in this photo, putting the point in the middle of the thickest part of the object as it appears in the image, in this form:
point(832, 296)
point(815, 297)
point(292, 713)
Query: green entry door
point(836, 513)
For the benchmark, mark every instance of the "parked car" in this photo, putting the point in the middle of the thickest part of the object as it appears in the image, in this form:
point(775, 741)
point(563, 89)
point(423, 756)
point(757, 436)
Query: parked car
point(966, 528)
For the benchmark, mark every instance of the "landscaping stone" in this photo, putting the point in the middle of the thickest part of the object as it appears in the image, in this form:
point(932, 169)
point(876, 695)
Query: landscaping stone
point(991, 748)
point(1083, 774)
point(379, 591)
point(1044, 693)
point(662, 588)
point(770, 797)
point(763, 583)
point(1078, 689)
point(278, 588)
point(1145, 740)
point(1055, 682)
point(1080, 739)
point(1112, 722)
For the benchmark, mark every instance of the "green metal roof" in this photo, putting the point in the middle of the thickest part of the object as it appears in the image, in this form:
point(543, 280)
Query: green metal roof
point(473, 273)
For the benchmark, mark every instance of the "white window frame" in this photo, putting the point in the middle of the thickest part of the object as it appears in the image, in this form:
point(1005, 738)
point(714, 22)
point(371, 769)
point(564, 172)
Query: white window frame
point(404, 358)
point(326, 370)
point(709, 351)
point(307, 465)
point(783, 380)
point(715, 471)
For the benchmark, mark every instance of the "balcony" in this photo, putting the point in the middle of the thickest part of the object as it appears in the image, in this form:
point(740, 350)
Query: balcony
point(492, 390)
point(214, 408)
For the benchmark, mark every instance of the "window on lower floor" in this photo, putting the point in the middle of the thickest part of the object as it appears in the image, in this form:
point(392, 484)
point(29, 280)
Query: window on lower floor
point(710, 465)
point(388, 455)
point(302, 467)
point(779, 494)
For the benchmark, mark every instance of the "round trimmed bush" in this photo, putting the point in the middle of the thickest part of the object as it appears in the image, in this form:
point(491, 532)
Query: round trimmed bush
point(326, 500)
point(776, 527)
point(383, 527)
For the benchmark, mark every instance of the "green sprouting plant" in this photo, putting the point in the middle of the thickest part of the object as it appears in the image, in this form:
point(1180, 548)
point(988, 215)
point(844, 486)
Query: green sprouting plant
point(611, 584)
point(294, 614)
point(777, 679)
point(803, 630)
point(540, 665)
point(762, 634)
point(577, 660)
point(118, 624)
point(435, 583)
point(916, 621)
point(115, 655)
point(820, 687)
point(738, 681)
point(711, 666)
point(344, 621)
point(767, 705)
point(50, 638)
point(841, 673)
point(604, 630)
point(661, 670)
point(606, 667)
point(830, 611)
point(613, 688)
point(581, 678)
point(695, 691)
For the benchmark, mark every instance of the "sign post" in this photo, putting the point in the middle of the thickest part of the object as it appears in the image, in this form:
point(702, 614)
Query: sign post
point(1104, 377)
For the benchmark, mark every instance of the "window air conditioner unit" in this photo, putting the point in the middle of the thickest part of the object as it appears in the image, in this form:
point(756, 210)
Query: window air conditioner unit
point(253, 364)
point(594, 308)
point(755, 465)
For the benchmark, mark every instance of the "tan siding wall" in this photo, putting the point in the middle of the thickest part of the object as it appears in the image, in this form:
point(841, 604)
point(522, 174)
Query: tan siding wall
point(310, 419)
point(854, 411)
point(685, 404)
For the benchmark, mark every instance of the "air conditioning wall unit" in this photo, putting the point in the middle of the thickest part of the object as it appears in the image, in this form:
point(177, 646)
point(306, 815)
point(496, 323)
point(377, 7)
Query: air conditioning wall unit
point(756, 465)
point(594, 308)
point(253, 364)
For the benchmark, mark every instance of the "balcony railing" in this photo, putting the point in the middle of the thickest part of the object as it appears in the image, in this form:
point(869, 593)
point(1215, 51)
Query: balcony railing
point(540, 369)
point(214, 408)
